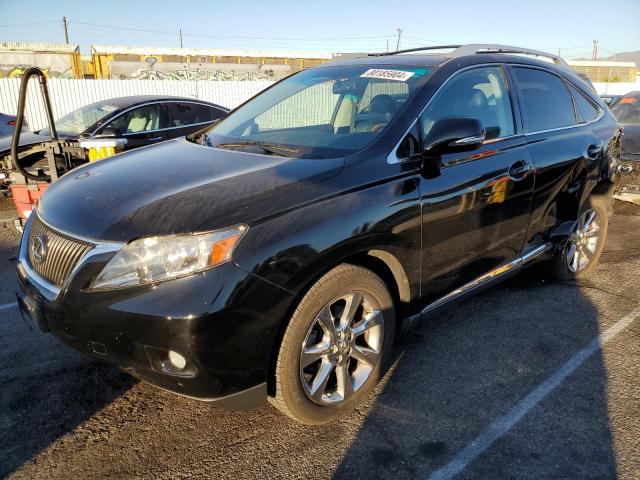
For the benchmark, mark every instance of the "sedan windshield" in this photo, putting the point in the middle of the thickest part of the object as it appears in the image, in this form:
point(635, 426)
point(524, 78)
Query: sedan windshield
point(323, 112)
point(627, 110)
point(76, 122)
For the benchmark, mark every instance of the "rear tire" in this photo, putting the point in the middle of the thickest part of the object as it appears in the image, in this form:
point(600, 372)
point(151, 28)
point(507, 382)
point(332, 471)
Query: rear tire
point(582, 252)
point(336, 346)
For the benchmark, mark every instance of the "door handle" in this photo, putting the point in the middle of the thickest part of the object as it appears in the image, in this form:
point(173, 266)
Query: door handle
point(520, 169)
point(155, 138)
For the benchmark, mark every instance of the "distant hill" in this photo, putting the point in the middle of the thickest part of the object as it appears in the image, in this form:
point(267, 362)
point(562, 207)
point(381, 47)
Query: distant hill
point(625, 57)
point(621, 57)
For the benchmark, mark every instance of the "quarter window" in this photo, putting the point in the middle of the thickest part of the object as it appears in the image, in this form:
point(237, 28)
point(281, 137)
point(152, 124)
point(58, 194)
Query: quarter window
point(546, 100)
point(479, 93)
point(586, 111)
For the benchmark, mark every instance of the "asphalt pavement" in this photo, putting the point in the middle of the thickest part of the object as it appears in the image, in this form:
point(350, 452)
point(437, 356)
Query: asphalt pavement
point(530, 379)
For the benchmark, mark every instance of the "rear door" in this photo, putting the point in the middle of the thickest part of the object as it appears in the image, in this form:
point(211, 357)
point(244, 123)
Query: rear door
point(563, 146)
point(476, 212)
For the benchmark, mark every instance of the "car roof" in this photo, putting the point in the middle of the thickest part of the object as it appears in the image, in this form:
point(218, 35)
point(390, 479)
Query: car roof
point(434, 56)
point(133, 100)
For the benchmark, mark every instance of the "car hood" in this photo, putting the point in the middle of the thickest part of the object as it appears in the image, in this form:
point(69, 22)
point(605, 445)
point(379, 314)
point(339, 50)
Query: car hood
point(179, 187)
point(26, 139)
point(630, 143)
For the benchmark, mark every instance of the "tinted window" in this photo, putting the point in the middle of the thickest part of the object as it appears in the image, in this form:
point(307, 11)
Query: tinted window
point(587, 111)
point(627, 110)
point(480, 93)
point(140, 119)
point(547, 102)
point(181, 114)
point(216, 113)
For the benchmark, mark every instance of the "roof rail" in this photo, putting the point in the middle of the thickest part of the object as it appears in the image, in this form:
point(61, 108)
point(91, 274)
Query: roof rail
point(476, 48)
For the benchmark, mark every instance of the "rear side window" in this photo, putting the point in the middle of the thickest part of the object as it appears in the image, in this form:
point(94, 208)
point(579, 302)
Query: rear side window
point(181, 114)
point(547, 101)
point(587, 111)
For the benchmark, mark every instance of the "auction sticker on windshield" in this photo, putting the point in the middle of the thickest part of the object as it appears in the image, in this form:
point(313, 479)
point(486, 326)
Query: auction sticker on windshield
point(399, 75)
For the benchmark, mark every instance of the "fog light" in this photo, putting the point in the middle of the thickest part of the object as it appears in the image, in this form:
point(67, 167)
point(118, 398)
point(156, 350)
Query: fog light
point(177, 360)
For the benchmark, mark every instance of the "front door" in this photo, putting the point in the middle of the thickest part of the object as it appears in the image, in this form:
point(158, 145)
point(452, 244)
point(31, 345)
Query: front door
point(475, 214)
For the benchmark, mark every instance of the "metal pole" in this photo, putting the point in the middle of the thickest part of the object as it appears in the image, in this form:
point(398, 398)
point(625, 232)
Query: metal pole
point(66, 32)
point(181, 38)
point(399, 35)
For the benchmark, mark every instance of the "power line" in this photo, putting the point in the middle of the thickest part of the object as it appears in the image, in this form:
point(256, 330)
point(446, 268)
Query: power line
point(234, 37)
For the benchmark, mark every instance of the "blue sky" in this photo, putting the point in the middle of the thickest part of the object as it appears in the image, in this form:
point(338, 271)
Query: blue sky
point(337, 26)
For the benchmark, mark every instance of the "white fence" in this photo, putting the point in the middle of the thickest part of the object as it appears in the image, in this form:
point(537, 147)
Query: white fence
point(616, 88)
point(68, 95)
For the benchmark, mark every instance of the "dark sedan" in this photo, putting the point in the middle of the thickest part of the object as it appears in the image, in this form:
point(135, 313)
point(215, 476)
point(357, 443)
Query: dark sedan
point(627, 111)
point(133, 121)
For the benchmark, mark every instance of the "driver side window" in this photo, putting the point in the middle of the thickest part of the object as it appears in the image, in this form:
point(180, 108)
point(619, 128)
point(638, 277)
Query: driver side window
point(138, 120)
point(479, 93)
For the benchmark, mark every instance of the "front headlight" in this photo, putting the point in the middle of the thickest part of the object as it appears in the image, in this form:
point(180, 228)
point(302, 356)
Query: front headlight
point(154, 259)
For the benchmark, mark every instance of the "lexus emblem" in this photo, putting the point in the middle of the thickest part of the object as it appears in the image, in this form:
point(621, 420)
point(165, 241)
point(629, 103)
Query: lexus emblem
point(39, 249)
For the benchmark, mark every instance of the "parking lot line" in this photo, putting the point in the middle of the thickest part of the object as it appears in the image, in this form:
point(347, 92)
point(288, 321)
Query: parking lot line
point(8, 305)
point(502, 425)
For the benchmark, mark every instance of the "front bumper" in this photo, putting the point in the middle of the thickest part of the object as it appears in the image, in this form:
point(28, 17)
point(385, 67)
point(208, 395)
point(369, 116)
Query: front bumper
point(224, 322)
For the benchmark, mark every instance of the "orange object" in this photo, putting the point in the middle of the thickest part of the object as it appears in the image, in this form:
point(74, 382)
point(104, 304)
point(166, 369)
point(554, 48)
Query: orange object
point(627, 100)
point(221, 249)
point(26, 197)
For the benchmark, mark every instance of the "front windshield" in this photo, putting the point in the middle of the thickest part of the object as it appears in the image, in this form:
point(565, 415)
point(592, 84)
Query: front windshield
point(78, 121)
point(627, 111)
point(323, 112)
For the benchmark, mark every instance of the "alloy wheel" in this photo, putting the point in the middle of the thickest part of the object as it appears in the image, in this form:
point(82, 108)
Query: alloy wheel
point(341, 348)
point(583, 241)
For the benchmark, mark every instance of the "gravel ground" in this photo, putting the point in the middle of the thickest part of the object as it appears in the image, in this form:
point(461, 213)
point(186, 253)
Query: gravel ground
point(63, 415)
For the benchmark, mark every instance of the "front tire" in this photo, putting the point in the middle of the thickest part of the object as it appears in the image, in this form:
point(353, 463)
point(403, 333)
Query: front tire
point(582, 252)
point(336, 346)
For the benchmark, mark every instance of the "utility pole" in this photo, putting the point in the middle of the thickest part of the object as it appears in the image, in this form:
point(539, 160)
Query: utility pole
point(399, 30)
point(594, 54)
point(66, 32)
point(387, 44)
point(180, 38)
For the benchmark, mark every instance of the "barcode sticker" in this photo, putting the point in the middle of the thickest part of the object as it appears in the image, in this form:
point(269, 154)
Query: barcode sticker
point(398, 75)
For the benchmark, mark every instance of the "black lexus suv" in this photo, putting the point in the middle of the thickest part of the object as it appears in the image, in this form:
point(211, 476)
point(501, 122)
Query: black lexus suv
point(275, 255)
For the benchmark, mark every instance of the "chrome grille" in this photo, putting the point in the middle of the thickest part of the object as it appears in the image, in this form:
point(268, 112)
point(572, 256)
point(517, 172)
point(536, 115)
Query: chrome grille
point(61, 252)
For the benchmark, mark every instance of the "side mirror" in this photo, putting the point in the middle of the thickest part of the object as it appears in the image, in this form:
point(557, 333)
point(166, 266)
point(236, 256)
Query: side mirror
point(110, 132)
point(454, 134)
point(450, 134)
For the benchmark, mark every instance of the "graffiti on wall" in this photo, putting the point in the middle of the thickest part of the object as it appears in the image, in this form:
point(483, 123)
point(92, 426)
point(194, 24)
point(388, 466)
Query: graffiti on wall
point(151, 70)
point(55, 65)
point(16, 71)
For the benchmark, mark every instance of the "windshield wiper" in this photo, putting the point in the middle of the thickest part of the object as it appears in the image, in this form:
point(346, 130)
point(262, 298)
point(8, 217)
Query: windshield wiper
point(270, 148)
